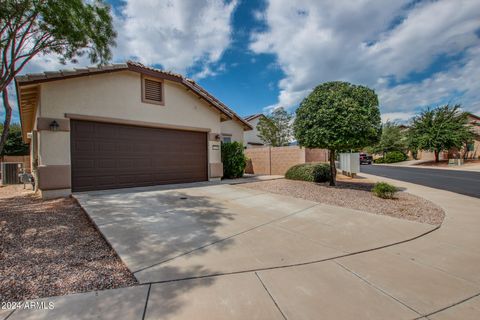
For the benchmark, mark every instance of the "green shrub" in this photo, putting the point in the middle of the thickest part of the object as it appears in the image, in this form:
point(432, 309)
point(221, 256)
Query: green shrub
point(314, 172)
point(395, 156)
point(384, 190)
point(392, 157)
point(234, 161)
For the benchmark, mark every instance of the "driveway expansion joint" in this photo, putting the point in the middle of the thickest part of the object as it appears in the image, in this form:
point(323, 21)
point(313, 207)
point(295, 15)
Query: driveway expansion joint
point(291, 265)
point(8, 316)
point(449, 306)
point(270, 295)
point(227, 238)
point(377, 288)
point(146, 301)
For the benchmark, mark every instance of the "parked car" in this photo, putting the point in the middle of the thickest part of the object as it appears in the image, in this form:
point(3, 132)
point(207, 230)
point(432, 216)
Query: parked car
point(365, 158)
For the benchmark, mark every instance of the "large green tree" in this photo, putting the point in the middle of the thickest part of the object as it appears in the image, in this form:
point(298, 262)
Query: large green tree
point(275, 129)
point(14, 145)
point(392, 139)
point(440, 129)
point(68, 28)
point(338, 116)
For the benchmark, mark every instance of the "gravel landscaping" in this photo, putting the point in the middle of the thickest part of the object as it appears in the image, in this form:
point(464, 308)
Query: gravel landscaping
point(50, 248)
point(356, 195)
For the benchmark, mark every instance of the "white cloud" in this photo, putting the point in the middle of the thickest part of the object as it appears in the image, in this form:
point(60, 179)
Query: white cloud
point(397, 116)
point(370, 41)
point(459, 84)
point(176, 34)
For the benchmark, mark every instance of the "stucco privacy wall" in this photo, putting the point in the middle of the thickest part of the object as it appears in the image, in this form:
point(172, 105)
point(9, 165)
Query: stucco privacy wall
point(233, 129)
point(277, 160)
point(117, 95)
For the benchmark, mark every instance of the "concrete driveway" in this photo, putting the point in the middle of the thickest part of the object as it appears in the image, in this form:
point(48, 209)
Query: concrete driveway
point(226, 252)
point(165, 234)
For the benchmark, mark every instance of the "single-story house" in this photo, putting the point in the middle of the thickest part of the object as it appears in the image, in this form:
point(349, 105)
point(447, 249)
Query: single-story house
point(469, 151)
point(250, 137)
point(122, 125)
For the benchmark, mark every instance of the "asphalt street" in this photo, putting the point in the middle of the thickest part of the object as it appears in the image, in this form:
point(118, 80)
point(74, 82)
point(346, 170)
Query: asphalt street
point(463, 182)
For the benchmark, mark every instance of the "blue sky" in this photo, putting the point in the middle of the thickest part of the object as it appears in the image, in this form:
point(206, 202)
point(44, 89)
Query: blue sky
point(258, 55)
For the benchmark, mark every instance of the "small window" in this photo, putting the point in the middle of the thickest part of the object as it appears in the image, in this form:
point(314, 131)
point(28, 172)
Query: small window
point(227, 139)
point(152, 91)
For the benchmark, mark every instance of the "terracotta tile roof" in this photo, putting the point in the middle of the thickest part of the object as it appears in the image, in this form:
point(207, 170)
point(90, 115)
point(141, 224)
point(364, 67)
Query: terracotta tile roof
point(65, 73)
point(34, 78)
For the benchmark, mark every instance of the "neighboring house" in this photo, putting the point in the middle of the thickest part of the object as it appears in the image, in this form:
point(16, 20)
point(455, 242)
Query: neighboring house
point(472, 150)
point(251, 137)
point(118, 126)
point(231, 131)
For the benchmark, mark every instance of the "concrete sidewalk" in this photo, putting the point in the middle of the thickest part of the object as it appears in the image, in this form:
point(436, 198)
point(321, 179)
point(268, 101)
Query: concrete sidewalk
point(433, 277)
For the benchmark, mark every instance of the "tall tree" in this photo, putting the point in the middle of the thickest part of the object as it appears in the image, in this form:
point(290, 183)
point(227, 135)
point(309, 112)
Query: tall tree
point(392, 139)
point(14, 145)
point(440, 129)
point(68, 28)
point(275, 129)
point(338, 116)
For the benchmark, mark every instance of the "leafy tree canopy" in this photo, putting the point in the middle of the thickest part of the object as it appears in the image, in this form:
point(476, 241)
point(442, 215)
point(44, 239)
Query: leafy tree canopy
point(392, 139)
point(275, 129)
point(14, 145)
point(68, 28)
point(338, 116)
point(440, 129)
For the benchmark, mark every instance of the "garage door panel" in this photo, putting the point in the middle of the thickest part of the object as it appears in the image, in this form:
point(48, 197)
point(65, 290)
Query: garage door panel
point(106, 156)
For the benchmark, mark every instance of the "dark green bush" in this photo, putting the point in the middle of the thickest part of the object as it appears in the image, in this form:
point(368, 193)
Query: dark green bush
point(384, 190)
point(234, 161)
point(392, 157)
point(314, 172)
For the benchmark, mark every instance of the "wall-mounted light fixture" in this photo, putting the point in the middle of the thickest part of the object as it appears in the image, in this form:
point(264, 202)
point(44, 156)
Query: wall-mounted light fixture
point(54, 125)
point(217, 137)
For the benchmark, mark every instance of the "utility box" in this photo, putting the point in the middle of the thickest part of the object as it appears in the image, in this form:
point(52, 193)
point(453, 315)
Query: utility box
point(10, 172)
point(350, 163)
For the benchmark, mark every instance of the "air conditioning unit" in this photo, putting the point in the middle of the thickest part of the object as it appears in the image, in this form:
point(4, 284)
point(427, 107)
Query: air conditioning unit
point(10, 172)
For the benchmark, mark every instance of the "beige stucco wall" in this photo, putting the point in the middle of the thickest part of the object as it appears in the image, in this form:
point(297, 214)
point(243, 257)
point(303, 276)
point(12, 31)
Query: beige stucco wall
point(117, 95)
point(54, 148)
point(232, 128)
point(252, 135)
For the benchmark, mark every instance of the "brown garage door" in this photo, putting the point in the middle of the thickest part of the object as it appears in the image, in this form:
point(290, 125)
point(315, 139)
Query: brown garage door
point(108, 156)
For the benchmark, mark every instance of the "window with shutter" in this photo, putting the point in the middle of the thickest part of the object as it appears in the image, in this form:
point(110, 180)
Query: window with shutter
point(152, 91)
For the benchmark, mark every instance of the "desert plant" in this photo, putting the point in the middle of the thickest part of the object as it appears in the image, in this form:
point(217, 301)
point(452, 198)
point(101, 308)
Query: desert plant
point(384, 190)
point(234, 160)
point(314, 172)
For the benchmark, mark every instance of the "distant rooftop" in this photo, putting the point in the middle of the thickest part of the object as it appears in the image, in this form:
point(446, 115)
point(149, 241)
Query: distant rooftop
point(253, 116)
